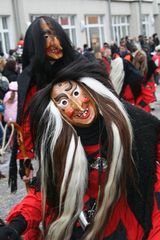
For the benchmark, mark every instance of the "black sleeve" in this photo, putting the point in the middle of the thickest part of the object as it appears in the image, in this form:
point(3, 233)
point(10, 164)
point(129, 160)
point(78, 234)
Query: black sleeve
point(19, 224)
point(14, 229)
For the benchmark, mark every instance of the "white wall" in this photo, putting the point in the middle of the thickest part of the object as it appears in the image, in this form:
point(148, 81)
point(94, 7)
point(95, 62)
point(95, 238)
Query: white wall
point(80, 8)
point(6, 10)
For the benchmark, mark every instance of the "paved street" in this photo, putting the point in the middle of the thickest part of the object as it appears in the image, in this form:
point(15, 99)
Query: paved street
point(8, 200)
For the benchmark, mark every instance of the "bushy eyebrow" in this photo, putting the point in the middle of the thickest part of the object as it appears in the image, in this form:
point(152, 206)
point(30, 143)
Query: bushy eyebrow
point(60, 96)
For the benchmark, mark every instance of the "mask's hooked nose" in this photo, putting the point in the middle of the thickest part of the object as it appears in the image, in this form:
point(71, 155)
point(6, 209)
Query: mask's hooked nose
point(55, 41)
point(77, 105)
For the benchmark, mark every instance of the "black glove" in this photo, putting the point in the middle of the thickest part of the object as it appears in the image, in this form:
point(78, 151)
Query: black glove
point(24, 164)
point(8, 233)
point(13, 230)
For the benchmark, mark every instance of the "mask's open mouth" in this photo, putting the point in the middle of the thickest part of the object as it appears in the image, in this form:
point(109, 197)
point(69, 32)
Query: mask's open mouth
point(54, 50)
point(85, 114)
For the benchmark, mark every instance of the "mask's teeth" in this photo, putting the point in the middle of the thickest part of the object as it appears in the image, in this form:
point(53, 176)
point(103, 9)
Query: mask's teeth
point(84, 113)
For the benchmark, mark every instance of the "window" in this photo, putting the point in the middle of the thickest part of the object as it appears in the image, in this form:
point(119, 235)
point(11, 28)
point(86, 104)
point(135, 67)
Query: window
point(4, 35)
point(145, 25)
point(94, 26)
point(68, 24)
point(120, 27)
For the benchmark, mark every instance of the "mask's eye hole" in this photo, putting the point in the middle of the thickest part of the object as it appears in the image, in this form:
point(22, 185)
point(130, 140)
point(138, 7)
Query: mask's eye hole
point(76, 93)
point(63, 103)
point(46, 36)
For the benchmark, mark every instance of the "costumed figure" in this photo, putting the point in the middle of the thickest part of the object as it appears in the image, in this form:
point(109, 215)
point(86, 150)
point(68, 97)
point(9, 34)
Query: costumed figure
point(156, 59)
point(147, 68)
point(128, 81)
point(99, 175)
point(106, 57)
point(46, 50)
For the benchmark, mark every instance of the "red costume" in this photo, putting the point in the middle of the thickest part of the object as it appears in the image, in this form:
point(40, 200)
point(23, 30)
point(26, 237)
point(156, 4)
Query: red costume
point(121, 214)
point(123, 218)
point(146, 93)
point(100, 163)
point(26, 129)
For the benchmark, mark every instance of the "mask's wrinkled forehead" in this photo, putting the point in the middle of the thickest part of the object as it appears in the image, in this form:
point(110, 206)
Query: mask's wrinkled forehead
point(46, 25)
point(67, 85)
point(62, 87)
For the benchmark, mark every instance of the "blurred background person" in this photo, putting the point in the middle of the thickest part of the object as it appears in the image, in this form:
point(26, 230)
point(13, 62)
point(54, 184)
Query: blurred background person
point(156, 59)
point(147, 69)
point(11, 70)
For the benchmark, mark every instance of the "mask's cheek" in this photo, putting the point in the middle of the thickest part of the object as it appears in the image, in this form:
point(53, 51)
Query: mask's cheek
point(84, 99)
point(69, 112)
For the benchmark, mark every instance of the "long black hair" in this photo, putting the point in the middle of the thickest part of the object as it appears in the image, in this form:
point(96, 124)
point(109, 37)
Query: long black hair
point(34, 51)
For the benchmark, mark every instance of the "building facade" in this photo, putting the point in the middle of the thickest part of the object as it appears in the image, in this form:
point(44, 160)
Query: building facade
point(85, 21)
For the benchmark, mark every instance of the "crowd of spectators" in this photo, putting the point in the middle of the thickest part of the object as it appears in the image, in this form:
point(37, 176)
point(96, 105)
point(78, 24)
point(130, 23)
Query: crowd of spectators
point(133, 66)
point(10, 68)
